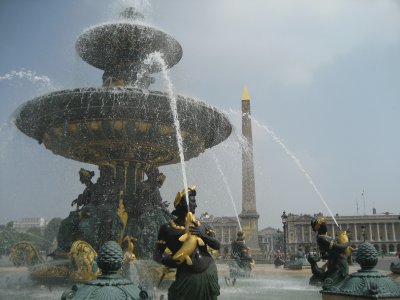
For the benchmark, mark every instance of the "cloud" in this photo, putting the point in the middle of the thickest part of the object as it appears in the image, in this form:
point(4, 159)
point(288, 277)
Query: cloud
point(289, 42)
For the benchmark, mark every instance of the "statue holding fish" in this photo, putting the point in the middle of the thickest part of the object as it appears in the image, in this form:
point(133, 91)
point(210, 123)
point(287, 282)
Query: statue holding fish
point(183, 244)
point(335, 251)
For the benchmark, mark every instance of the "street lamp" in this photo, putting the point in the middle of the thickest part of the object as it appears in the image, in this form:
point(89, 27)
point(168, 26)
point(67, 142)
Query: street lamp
point(363, 231)
point(284, 218)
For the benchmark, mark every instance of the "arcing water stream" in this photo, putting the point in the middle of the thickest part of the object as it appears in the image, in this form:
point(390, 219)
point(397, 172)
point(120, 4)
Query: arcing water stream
point(279, 141)
point(228, 189)
point(156, 58)
point(298, 164)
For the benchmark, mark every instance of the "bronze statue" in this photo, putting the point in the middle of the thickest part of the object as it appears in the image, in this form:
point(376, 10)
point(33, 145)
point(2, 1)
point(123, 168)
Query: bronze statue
point(297, 260)
point(95, 220)
point(334, 251)
point(147, 205)
point(187, 239)
point(149, 196)
point(85, 177)
point(241, 260)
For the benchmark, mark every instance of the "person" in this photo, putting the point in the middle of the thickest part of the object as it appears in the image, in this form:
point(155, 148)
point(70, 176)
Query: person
point(196, 276)
point(226, 252)
point(334, 252)
point(278, 260)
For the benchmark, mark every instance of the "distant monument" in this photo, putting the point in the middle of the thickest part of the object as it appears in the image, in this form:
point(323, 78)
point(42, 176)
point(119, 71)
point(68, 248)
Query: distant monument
point(249, 216)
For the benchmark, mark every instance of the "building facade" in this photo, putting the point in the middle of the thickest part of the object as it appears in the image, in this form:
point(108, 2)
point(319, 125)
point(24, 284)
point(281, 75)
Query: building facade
point(268, 239)
point(25, 223)
point(225, 230)
point(381, 230)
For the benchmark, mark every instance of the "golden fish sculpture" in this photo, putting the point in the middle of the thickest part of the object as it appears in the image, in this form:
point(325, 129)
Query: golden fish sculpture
point(343, 238)
point(190, 242)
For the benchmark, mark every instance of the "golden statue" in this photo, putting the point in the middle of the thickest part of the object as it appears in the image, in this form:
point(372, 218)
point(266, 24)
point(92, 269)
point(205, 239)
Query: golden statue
point(83, 266)
point(25, 254)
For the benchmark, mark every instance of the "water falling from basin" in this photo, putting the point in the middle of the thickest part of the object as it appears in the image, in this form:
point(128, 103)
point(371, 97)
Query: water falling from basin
point(157, 58)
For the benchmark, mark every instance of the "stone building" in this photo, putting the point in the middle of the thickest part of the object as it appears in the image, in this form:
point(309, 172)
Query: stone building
point(381, 230)
point(225, 229)
point(25, 223)
point(268, 239)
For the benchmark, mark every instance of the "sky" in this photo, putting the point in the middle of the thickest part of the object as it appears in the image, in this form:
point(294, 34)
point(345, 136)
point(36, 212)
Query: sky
point(323, 77)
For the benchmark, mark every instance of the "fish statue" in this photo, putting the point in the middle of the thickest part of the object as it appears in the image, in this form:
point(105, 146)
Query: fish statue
point(343, 238)
point(190, 242)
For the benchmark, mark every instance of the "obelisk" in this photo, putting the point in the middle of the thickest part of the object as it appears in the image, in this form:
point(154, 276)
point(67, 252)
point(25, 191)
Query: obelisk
point(249, 216)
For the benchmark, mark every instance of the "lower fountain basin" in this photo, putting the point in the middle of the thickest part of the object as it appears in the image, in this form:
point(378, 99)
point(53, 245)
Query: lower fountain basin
point(94, 125)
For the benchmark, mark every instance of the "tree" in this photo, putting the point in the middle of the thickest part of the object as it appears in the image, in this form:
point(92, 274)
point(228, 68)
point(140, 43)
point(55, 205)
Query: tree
point(34, 231)
point(52, 228)
point(8, 237)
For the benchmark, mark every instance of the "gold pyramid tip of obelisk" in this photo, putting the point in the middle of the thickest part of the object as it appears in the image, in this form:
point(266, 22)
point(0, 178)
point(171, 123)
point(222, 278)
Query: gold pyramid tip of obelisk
point(245, 96)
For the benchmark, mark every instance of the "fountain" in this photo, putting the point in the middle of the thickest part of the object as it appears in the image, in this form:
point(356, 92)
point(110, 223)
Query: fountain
point(125, 129)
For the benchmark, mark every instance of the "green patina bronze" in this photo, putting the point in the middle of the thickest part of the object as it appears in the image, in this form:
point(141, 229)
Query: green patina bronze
point(241, 262)
point(109, 285)
point(188, 241)
point(336, 268)
point(366, 283)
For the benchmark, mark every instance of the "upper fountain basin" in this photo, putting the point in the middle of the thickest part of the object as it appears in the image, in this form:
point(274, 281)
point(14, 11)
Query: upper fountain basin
point(94, 125)
point(125, 44)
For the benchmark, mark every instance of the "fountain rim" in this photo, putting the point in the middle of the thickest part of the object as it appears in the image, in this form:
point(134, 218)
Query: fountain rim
point(31, 131)
point(87, 33)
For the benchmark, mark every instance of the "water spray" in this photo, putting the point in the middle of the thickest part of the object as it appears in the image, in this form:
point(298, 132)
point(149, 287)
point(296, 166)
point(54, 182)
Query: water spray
point(30, 76)
point(299, 165)
point(228, 189)
point(157, 57)
point(279, 141)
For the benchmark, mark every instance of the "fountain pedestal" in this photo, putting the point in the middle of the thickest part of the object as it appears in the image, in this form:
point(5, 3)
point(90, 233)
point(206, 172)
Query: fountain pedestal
point(109, 285)
point(366, 283)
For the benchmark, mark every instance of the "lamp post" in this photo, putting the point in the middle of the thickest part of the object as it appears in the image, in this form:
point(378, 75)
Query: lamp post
point(284, 218)
point(363, 232)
